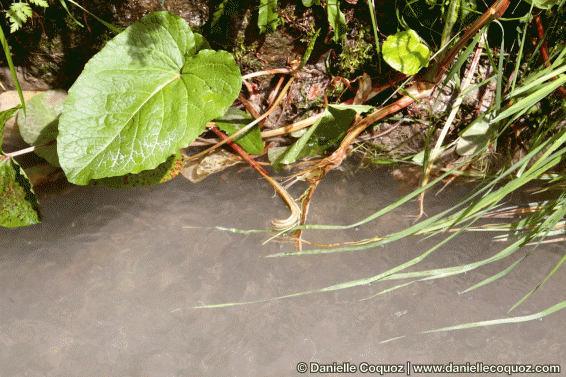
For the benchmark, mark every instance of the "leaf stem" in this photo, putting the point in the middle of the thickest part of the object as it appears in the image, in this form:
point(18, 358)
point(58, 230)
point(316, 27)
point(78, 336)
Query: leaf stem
point(28, 150)
point(268, 72)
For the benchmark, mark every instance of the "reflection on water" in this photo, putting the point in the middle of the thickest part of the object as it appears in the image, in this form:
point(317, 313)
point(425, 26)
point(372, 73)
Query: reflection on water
point(94, 289)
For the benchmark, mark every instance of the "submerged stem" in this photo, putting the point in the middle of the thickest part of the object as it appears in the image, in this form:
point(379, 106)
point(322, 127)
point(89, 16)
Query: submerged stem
point(293, 206)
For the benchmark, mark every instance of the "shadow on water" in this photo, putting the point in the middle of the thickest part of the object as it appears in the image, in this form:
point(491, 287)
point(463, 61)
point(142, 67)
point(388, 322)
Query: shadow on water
point(95, 288)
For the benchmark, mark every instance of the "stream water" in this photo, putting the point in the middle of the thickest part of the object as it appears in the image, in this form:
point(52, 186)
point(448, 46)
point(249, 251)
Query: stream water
point(106, 285)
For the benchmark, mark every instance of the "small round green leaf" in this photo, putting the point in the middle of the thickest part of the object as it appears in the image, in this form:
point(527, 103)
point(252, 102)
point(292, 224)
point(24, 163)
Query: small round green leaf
point(149, 92)
point(405, 52)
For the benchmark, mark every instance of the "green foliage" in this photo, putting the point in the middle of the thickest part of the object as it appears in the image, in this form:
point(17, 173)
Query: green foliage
point(12, 68)
point(150, 91)
point(337, 20)
point(356, 53)
point(268, 16)
point(41, 3)
point(405, 52)
point(543, 4)
point(423, 16)
point(18, 15)
point(217, 14)
point(244, 54)
point(328, 131)
point(467, 10)
point(18, 202)
point(19, 12)
point(69, 14)
point(144, 96)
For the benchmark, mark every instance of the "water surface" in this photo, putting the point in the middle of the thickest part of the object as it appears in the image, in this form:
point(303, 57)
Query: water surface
point(105, 286)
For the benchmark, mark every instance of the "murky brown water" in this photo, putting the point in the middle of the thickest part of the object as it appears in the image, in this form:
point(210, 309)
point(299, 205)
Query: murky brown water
point(94, 290)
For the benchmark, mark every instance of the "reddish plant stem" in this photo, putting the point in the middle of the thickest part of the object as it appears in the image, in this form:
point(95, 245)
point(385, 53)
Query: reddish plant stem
point(544, 51)
point(241, 152)
point(273, 94)
point(295, 210)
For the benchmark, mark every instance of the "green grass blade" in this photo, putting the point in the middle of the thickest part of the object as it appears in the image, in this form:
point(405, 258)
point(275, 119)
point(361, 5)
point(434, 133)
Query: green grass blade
point(499, 87)
point(455, 270)
point(231, 230)
point(526, 103)
point(217, 15)
point(463, 58)
point(308, 52)
point(525, 318)
point(449, 21)
point(537, 287)
point(12, 68)
point(520, 53)
point(375, 34)
point(337, 20)
point(537, 79)
point(114, 29)
point(430, 224)
point(496, 276)
point(64, 5)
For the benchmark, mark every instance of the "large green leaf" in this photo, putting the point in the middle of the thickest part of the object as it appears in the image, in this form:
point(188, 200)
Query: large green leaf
point(405, 52)
point(38, 125)
point(150, 91)
point(18, 202)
